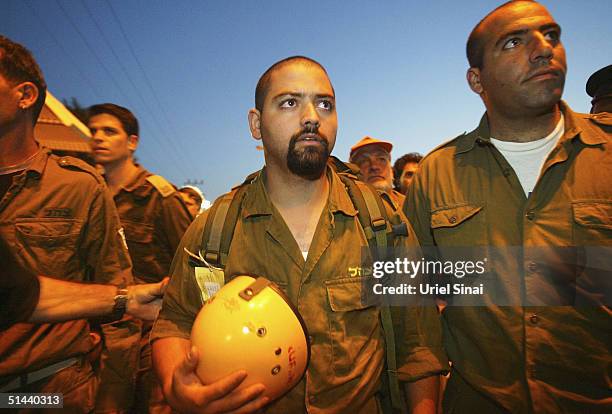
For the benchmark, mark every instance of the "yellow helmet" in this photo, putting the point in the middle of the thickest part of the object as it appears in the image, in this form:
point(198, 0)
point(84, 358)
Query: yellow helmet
point(250, 324)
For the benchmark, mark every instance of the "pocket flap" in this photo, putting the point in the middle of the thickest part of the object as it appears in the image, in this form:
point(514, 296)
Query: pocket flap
point(137, 232)
point(345, 294)
point(453, 216)
point(45, 228)
point(595, 214)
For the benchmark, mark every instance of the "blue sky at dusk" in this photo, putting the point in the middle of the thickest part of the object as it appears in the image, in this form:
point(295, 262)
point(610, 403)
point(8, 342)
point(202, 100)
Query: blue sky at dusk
point(189, 69)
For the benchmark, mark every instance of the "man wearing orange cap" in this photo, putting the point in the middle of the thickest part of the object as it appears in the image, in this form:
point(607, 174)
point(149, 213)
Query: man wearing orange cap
point(373, 157)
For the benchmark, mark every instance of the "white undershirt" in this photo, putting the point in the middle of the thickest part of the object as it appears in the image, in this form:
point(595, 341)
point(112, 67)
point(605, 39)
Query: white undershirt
point(527, 158)
point(305, 254)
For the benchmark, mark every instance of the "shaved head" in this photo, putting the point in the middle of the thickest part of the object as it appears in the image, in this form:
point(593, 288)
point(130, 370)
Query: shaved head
point(264, 81)
point(475, 43)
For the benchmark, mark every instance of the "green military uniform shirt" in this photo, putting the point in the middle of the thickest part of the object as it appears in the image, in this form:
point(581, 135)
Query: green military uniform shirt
point(154, 218)
point(59, 220)
point(154, 223)
point(543, 359)
point(347, 343)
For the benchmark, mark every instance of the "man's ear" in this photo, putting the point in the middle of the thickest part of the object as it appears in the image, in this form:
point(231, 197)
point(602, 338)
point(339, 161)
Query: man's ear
point(132, 142)
point(28, 94)
point(473, 79)
point(255, 123)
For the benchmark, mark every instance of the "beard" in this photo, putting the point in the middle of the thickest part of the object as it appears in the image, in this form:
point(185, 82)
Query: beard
point(383, 185)
point(309, 161)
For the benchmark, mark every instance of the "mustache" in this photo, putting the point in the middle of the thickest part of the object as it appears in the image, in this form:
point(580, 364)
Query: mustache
point(545, 70)
point(310, 132)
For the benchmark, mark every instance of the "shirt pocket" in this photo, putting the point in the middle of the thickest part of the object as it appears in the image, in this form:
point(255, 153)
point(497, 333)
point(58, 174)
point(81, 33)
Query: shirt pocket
point(354, 326)
point(592, 222)
point(459, 225)
point(592, 238)
point(50, 243)
point(140, 240)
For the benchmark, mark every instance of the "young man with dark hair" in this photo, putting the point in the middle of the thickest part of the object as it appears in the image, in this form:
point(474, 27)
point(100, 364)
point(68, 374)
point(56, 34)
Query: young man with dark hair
point(404, 169)
point(58, 219)
point(299, 228)
point(154, 218)
point(531, 186)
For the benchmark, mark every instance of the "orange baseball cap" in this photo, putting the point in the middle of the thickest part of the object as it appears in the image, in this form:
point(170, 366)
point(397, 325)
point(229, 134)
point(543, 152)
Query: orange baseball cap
point(365, 141)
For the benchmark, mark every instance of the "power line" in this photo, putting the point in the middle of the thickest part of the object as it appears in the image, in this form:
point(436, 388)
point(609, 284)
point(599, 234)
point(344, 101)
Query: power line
point(91, 50)
point(75, 65)
point(142, 70)
point(127, 75)
point(89, 46)
point(109, 74)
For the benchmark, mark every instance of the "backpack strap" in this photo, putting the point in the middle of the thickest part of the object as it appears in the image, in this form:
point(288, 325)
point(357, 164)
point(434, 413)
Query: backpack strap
point(221, 223)
point(370, 210)
point(377, 227)
point(213, 229)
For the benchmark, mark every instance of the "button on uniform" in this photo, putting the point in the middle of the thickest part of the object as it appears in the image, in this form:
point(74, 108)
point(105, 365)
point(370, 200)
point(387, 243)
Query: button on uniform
point(534, 319)
point(530, 215)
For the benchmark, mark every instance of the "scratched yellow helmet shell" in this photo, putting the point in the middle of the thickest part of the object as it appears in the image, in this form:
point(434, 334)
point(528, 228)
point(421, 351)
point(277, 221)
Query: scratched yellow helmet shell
point(250, 324)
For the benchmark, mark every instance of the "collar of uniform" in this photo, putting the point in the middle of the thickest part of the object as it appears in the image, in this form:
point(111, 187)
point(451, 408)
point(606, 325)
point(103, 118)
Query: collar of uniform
point(574, 126)
point(578, 125)
point(40, 162)
point(482, 133)
point(339, 199)
point(138, 180)
point(257, 203)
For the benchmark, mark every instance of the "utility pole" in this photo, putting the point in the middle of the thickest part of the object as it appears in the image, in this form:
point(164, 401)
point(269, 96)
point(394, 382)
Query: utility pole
point(195, 183)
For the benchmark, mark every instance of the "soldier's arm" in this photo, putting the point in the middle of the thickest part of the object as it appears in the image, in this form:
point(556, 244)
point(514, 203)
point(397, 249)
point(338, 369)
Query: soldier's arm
point(19, 292)
point(416, 208)
point(421, 358)
point(423, 395)
point(40, 299)
point(60, 300)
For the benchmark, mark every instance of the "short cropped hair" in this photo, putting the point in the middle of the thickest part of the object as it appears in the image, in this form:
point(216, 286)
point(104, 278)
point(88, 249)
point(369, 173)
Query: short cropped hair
point(475, 45)
point(18, 65)
point(264, 81)
point(124, 115)
point(400, 163)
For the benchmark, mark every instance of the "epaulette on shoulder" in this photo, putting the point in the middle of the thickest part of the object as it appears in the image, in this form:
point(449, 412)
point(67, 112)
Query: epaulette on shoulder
point(162, 185)
point(76, 164)
point(251, 178)
point(445, 144)
point(342, 167)
point(602, 119)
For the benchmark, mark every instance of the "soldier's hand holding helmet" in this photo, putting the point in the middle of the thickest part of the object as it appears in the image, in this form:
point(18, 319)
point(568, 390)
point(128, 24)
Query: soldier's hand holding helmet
point(189, 395)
